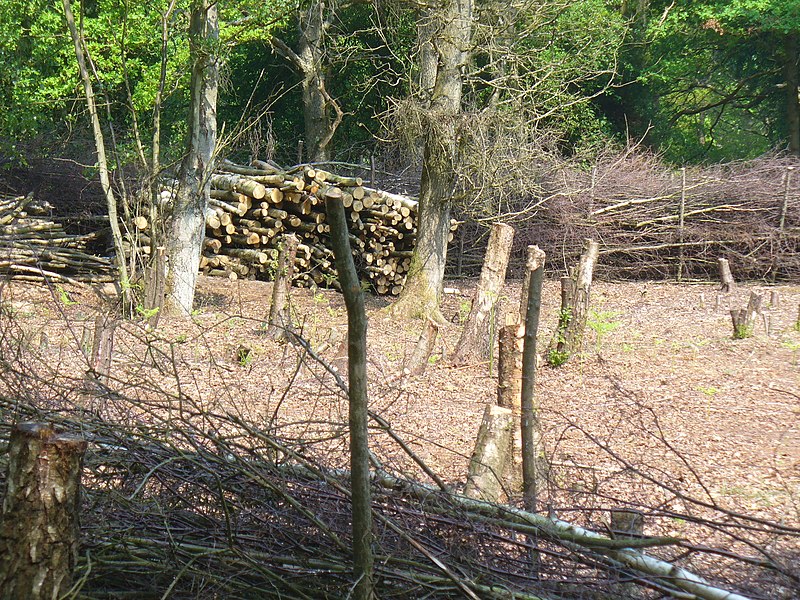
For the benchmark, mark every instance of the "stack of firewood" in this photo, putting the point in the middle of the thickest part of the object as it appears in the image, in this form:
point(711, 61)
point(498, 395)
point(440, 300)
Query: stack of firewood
point(252, 207)
point(34, 247)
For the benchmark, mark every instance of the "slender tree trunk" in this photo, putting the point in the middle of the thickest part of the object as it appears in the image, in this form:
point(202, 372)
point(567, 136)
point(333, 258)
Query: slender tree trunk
point(452, 23)
point(321, 113)
point(532, 462)
point(39, 525)
point(191, 199)
point(99, 140)
point(357, 387)
point(792, 77)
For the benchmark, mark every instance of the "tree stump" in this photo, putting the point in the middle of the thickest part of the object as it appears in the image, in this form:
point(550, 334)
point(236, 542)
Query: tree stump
point(725, 276)
point(490, 456)
point(475, 339)
point(418, 361)
point(39, 526)
point(575, 296)
point(280, 319)
point(744, 319)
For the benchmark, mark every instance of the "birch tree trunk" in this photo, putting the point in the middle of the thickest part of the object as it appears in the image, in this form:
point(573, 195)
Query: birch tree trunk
point(475, 340)
point(191, 199)
point(451, 34)
point(39, 525)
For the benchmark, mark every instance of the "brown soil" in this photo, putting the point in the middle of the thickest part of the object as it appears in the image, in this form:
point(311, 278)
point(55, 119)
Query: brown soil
point(664, 404)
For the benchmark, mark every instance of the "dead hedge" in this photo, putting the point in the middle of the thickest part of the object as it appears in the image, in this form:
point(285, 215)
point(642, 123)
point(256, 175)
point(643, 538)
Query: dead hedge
point(655, 222)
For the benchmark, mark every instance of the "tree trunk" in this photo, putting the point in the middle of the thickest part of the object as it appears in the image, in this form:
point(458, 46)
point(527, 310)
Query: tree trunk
point(792, 77)
point(99, 140)
point(418, 361)
point(475, 341)
point(39, 527)
point(575, 296)
point(451, 37)
point(357, 391)
point(489, 459)
point(319, 125)
point(532, 470)
point(280, 318)
point(191, 198)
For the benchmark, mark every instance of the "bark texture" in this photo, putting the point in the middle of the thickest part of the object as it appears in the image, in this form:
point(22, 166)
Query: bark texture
point(39, 527)
point(450, 35)
point(532, 462)
point(490, 457)
point(418, 361)
point(357, 391)
point(575, 297)
point(725, 276)
point(191, 199)
point(280, 318)
point(475, 342)
point(792, 77)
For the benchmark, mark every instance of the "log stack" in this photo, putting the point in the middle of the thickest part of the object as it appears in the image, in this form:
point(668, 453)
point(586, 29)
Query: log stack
point(252, 207)
point(35, 247)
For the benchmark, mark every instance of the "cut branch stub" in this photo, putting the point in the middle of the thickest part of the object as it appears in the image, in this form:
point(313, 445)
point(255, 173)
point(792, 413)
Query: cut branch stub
point(39, 526)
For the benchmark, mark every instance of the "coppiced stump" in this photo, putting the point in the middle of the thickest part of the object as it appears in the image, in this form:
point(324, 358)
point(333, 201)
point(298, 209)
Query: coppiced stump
point(280, 319)
point(39, 526)
point(575, 298)
point(475, 340)
point(489, 459)
point(725, 276)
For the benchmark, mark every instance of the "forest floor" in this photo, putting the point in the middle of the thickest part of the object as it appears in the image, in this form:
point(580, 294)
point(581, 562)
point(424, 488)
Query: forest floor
point(661, 406)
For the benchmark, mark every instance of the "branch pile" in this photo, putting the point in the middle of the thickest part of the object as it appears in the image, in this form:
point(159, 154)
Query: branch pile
point(654, 224)
point(185, 499)
point(34, 247)
point(251, 207)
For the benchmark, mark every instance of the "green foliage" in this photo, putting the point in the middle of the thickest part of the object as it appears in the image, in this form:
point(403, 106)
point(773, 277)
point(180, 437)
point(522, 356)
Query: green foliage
point(146, 313)
point(742, 331)
point(556, 358)
point(64, 297)
point(602, 323)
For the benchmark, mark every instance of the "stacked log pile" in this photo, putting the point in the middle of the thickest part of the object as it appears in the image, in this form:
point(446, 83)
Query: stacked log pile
point(251, 207)
point(35, 247)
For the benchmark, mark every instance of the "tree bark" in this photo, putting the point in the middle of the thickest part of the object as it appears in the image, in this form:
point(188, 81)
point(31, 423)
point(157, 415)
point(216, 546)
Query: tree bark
point(744, 320)
point(418, 361)
point(575, 296)
point(725, 276)
point(99, 140)
point(489, 459)
point(792, 77)
point(531, 436)
point(475, 342)
point(321, 113)
point(39, 527)
point(451, 37)
point(191, 198)
point(357, 387)
point(280, 318)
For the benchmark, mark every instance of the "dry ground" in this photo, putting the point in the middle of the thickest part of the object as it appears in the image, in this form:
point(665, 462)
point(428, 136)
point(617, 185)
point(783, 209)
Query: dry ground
point(662, 405)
